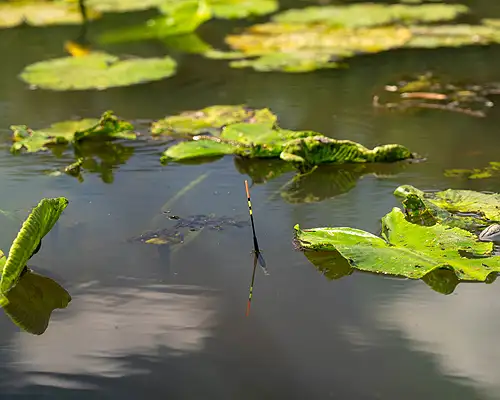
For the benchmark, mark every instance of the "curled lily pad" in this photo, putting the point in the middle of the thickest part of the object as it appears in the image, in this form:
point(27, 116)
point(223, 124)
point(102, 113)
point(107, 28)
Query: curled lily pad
point(308, 152)
point(107, 127)
point(41, 13)
point(96, 71)
point(465, 202)
point(211, 120)
point(406, 249)
point(41, 220)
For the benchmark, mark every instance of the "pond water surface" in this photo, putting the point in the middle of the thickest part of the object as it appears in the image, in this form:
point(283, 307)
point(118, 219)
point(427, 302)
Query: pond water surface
point(170, 323)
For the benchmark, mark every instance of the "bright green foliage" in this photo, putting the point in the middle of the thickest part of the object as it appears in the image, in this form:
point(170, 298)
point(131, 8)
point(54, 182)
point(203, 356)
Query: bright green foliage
point(122, 5)
point(107, 127)
point(196, 149)
point(40, 13)
point(315, 150)
point(96, 71)
point(32, 141)
point(37, 225)
point(211, 120)
point(230, 9)
point(30, 303)
point(484, 205)
point(407, 249)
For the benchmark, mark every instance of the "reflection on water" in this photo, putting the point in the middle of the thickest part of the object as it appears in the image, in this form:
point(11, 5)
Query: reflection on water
point(108, 325)
point(459, 331)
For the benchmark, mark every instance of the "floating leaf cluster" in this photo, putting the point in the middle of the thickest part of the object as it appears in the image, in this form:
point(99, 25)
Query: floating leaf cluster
point(322, 36)
point(303, 149)
point(427, 91)
point(436, 231)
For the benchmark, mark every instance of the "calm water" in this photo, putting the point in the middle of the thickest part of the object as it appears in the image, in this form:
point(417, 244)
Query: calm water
point(154, 323)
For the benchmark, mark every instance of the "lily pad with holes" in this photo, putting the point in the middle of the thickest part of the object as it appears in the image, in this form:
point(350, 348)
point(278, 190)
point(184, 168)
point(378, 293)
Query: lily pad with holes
point(96, 71)
point(406, 249)
point(211, 120)
point(41, 13)
point(41, 220)
point(107, 127)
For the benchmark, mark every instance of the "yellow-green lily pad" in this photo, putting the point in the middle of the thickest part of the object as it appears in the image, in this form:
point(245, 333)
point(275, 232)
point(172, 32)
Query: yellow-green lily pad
point(96, 71)
point(40, 13)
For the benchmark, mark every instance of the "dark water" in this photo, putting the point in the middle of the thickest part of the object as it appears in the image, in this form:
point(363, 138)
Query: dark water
point(171, 323)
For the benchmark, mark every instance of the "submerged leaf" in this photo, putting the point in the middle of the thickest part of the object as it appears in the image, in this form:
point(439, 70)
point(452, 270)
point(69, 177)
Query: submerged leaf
point(41, 220)
point(30, 303)
point(408, 250)
point(96, 71)
point(40, 13)
point(211, 120)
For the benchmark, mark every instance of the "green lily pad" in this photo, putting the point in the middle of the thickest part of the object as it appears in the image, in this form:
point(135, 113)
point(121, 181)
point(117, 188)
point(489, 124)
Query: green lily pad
point(211, 120)
point(119, 6)
point(196, 149)
point(41, 13)
point(476, 173)
point(181, 18)
point(368, 14)
point(467, 202)
point(30, 303)
point(41, 220)
point(231, 9)
point(96, 71)
point(107, 127)
point(407, 249)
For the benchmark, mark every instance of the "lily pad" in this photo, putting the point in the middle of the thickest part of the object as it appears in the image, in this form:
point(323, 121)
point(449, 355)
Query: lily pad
point(41, 13)
point(122, 5)
point(406, 249)
point(196, 149)
point(107, 127)
point(368, 14)
point(466, 202)
point(41, 220)
point(232, 9)
point(211, 120)
point(492, 170)
point(96, 71)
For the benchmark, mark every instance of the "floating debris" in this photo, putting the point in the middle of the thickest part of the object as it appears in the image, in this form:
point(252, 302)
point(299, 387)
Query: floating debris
point(427, 91)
